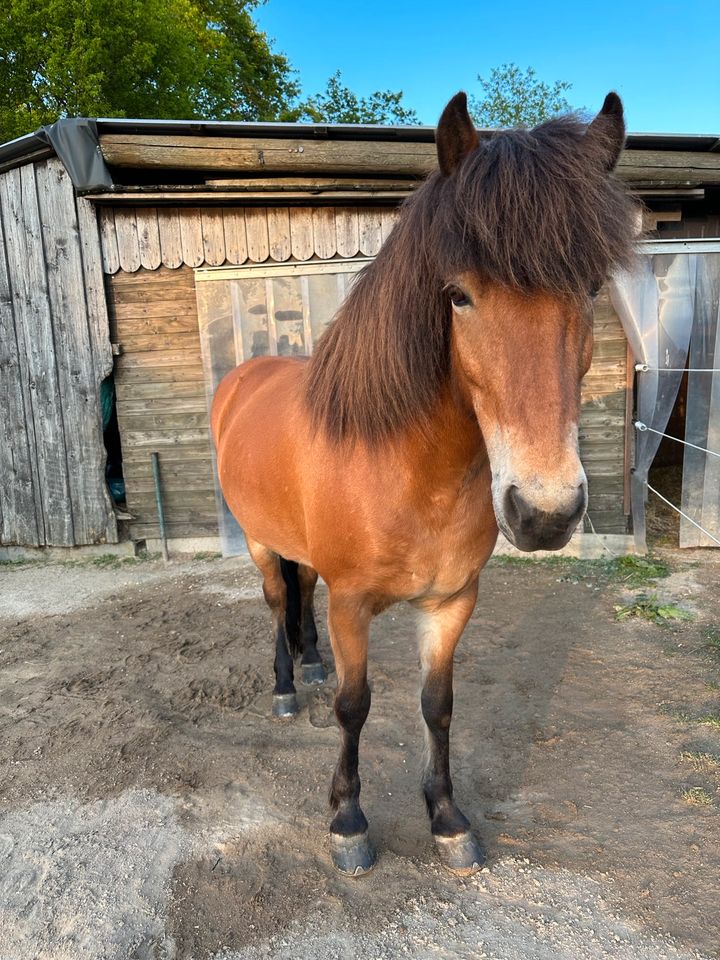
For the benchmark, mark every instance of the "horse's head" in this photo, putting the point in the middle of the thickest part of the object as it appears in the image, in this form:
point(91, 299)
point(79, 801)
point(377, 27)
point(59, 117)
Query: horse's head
point(531, 222)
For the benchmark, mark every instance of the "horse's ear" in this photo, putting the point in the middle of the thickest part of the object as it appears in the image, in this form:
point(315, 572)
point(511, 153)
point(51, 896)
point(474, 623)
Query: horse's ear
point(605, 137)
point(456, 135)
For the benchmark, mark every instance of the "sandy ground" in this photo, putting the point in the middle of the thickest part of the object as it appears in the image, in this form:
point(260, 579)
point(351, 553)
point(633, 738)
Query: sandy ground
point(150, 809)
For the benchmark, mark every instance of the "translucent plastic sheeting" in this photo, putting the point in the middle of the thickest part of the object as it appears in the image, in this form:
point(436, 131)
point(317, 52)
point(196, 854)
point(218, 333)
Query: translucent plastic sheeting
point(656, 305)
point(701, 472)
point(258, 311)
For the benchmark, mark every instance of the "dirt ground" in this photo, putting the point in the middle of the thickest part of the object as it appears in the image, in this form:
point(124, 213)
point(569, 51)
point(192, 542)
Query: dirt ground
point(150, 809)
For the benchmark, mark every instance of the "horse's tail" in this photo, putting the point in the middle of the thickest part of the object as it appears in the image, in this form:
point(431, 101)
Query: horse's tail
point(293, 608)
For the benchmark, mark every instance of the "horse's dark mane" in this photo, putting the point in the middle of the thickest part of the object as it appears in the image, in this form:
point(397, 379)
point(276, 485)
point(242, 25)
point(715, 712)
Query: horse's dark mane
point(529, 209)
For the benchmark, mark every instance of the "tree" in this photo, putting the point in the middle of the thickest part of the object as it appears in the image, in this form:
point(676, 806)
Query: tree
point(516, 98)
point(338, 104)
point(179, 59)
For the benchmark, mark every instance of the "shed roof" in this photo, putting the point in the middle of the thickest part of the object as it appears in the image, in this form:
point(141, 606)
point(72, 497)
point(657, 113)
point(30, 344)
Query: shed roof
point(108, 155)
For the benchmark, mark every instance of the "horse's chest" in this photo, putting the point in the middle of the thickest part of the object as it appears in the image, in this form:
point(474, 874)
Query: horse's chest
point(454, 541)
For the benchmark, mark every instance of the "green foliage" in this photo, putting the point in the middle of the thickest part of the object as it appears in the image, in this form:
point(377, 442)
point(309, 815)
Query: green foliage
point(183, 59)
point(164, 59)
point(634, 570)
point(712, 640)
point(648, 607)
point(517, 98)
point(338, 104)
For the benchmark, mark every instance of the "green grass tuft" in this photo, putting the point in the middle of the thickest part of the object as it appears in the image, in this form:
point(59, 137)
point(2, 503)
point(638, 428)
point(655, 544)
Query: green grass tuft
point(697, 796)
point(647, 606)
point(636, 571)
point(711, 719)
point(700, 761)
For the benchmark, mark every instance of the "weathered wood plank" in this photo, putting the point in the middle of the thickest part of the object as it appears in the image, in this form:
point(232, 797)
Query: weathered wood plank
point(31, 302)
point(97, 312)
point(324, 238)
point(108, 238)
point(127, 239)
point(124, 330)
point(148, 237)
point(278, 220)
point(213, 236)
point(301, 233)
point(388, 219)
point(187, 340)
point(325, 157)
point(264, 155)
point(171, 249)
point(142, 530)
point(370, 228)
point(181, 308)
point(146, 391)
point(19, 522)
point(191, 234)
point(93, 518)
point(256, 228)
point(347, 231)
point(235, 236)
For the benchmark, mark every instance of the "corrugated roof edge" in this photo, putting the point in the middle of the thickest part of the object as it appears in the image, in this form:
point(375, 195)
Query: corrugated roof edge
point(76, 139)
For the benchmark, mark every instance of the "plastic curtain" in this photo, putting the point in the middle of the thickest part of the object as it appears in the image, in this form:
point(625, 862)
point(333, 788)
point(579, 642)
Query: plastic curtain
point(701, 471)
point(655, 304)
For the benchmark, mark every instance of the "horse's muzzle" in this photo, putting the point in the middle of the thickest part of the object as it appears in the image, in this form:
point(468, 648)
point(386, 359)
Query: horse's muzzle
point(532, 528)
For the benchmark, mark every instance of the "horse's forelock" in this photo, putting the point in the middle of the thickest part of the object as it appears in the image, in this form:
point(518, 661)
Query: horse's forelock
point(528, 209)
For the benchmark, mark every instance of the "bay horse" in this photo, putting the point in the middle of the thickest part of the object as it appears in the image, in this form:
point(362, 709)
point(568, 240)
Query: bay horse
point(440, 405)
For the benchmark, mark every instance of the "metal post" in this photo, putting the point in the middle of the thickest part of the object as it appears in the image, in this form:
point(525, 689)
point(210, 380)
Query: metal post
point(161, 512)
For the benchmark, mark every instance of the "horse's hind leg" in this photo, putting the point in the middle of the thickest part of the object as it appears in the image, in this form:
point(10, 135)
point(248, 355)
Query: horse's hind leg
point(441, 624)
point(276, 596)
point(300, 627)
point(312, 667)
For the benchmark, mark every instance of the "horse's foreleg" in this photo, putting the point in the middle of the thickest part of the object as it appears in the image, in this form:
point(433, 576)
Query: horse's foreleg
point(275, 592)
point(313, 670)
point(441, 624)
point(349, 622)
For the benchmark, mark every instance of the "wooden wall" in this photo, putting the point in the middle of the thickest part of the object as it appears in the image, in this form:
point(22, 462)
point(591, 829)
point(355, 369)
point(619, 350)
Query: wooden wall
point(603, 421)
point(162, 404)
point(148, 237)
point(161, 401)
point(54, 353)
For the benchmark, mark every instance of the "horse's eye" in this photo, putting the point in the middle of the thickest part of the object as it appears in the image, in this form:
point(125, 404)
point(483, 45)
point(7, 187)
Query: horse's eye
point(458, 297)
point(594, 291)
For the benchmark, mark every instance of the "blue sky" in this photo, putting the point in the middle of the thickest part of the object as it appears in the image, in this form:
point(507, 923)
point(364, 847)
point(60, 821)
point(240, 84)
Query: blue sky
point(663, 57)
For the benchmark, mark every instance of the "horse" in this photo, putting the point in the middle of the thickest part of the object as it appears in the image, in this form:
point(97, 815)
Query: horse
point(440, 406)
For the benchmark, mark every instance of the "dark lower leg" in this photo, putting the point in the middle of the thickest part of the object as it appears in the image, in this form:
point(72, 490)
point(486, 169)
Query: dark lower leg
point(283, 664)
point(352, 705)
point(437, 704)
point(308, 579)
point(275, 593)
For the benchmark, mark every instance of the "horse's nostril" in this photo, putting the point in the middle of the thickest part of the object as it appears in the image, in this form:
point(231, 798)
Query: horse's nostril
point(579, 506)
point(517, 509)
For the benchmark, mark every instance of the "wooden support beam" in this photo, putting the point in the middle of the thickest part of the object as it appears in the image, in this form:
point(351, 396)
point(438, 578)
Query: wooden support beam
point(359, 158)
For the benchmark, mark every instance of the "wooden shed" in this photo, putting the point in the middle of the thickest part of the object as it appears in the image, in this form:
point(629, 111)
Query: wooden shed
point(113, 235)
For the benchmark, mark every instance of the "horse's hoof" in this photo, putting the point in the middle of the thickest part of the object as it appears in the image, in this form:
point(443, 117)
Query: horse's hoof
point(461, 855)
point(284, 705)
point(352, 855)
point(313, 673)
